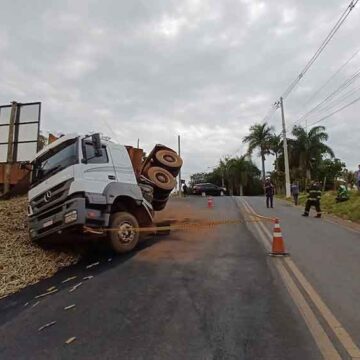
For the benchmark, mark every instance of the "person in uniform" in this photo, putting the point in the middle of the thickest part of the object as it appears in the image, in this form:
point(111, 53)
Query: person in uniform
point(269, 192)
point(313, 200)
point(295, 192)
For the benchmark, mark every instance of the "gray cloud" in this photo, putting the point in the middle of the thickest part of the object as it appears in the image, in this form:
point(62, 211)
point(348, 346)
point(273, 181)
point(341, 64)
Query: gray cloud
point(151, 70)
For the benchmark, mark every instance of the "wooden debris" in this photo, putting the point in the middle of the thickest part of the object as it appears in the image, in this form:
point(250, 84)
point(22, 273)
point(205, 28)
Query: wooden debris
point(70, 340)
point(69, 307)
point(51, 288)
point(75, 287)
point(69, 279)
point(93, 264)
point(46, 294)
point(87, 277)
point(47, 325)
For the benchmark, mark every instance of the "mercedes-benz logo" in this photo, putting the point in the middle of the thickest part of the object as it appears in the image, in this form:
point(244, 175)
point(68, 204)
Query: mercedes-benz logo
point(47, 196)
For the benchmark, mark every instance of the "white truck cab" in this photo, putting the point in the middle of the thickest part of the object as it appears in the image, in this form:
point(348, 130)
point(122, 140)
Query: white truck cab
point(86, 184)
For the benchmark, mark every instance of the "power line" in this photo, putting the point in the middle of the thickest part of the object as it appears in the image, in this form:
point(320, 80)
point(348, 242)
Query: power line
point(315, 93)
point(331, 34)
point(342, 87)
point(340, 100)
point(336, 111)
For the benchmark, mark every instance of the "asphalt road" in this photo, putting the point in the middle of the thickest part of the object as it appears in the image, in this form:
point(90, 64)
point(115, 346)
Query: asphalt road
point(327, 254)
point(205, 293)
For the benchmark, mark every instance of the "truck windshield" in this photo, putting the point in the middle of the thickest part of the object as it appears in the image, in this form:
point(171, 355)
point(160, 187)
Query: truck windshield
point(54, 160)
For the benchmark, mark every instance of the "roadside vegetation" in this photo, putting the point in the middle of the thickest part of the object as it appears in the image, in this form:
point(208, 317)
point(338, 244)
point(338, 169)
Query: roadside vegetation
point(348, 210)
point(310, 159)
point(239, 175)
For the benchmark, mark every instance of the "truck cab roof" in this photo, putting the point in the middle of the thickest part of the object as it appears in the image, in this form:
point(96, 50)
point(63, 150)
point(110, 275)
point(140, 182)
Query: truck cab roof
point(57, 142)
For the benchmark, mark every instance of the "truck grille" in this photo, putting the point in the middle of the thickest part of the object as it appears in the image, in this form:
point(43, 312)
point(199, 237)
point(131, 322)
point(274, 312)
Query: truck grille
point(50, 197)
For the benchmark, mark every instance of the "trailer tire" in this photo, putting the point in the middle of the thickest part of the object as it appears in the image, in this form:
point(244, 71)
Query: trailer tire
point(126, 238)
point(169, 159)
point(162, 178)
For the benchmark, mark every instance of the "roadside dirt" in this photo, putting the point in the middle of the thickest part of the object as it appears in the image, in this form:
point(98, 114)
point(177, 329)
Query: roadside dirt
point(182, 245)
point(23, 263)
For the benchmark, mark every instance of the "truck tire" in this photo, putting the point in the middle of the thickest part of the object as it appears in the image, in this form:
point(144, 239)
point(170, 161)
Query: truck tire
point(169, 160)
point(159, 205)
point(162, 179)
point(124, 239)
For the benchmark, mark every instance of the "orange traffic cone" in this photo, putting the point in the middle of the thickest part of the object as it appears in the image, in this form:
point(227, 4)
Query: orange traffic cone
point(278, 248)
point(210, 202)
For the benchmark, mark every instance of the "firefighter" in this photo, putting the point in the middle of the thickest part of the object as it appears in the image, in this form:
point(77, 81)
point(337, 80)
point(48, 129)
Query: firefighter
point(313, 200)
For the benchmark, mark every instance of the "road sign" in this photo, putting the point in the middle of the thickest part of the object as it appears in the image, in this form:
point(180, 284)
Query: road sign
point(23, 139)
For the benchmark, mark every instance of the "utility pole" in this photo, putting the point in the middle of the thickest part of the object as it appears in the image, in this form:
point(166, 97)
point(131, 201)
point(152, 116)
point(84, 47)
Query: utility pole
point(286, 154)
point(138, 143)
point(180, 169)
point(10, 152)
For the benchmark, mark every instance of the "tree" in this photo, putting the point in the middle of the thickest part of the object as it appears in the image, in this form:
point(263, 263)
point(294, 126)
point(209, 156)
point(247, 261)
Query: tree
point(197, 178)
point(349, 177)
point(260, 138)
point(276, 148)
point(331, 169)
point(308, 148)
point(240, 176)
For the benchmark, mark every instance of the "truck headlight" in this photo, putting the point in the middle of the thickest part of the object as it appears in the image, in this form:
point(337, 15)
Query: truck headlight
point(70, 217)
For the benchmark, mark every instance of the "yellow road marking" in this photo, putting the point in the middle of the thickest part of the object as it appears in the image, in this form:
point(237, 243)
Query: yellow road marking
point(322, 340)
point(335, 325)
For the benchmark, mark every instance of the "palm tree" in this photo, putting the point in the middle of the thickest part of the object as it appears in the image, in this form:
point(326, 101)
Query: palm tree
point(309, 147)
point(276, 147)
point(260, 137)
point(238, 172)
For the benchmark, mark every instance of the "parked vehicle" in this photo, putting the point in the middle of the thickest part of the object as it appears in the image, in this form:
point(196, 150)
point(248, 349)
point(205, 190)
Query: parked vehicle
point(208, 189)
point(89, 185)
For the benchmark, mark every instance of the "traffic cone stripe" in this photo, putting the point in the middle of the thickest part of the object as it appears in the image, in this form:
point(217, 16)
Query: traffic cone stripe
point(278, 247)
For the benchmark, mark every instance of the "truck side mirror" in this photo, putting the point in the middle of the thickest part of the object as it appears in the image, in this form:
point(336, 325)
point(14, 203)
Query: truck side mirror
point(96, 140)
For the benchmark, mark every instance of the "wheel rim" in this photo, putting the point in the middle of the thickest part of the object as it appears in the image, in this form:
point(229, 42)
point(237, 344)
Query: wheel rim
point(161, 177)
point(126, 233)
point(169, 158)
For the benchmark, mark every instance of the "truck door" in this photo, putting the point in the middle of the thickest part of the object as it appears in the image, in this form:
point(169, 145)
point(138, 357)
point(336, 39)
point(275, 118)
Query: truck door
point(98, 170)
point(122, 163)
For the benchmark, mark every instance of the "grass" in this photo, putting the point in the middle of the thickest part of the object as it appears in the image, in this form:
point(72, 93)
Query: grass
point(348, 210)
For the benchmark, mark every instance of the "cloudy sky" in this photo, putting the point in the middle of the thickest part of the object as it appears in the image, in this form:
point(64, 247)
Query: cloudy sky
point(204, 69)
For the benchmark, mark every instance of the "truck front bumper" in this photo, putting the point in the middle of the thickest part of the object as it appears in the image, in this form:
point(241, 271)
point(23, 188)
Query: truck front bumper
point(70, 215)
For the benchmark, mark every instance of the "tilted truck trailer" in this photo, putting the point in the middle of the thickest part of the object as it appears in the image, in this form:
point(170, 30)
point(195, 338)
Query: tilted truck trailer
point(85, 184)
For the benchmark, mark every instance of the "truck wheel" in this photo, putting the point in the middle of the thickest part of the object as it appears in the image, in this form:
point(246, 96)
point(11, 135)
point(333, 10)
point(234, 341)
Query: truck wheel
point(161, 178)
point(159, 205)
point(169, 159)
point(123, 234)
